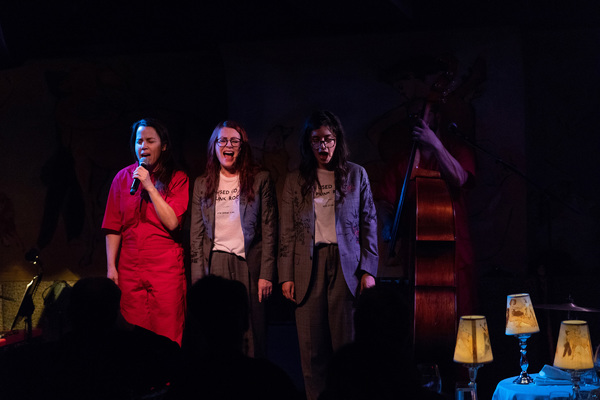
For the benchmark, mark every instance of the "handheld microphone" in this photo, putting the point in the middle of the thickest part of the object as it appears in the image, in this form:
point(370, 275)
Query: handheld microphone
point(136, 182)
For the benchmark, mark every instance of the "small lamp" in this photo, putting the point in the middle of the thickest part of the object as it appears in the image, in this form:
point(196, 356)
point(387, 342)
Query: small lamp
point(473, 347)
point(521, 323)
point(574, 351)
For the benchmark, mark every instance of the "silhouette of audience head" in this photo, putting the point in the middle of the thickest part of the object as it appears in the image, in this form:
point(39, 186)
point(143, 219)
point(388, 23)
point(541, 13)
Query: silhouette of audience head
point(217, 315)
point(378, 364)
point(94, 305)
point(98, 359)
point(214, 366)
point(382, 318)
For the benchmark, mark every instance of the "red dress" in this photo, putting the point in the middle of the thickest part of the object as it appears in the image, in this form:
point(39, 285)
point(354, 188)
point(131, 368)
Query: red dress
point(150, 260)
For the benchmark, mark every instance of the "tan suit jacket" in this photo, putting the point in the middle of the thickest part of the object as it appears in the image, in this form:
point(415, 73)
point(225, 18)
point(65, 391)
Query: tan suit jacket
point(259, 226)
point(355, 226)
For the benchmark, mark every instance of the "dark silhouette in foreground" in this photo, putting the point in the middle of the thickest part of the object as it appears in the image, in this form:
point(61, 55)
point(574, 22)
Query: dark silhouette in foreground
point(379, 363)
point(102, 357)
point(214, 366)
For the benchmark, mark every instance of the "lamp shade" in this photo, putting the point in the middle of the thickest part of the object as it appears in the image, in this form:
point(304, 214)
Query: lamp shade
point(473, 341)
point(520, 317)
point(574, 347)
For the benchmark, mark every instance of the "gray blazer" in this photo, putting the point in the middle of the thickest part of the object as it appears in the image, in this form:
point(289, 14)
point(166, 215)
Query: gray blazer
point(355, 226)
point(259, 226)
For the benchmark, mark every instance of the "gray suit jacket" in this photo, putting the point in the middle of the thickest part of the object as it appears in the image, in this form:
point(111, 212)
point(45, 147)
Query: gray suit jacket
point(259, 225)
point(355, 226)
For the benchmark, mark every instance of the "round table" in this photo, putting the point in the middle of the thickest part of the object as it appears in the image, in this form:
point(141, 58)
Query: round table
point(507, 390)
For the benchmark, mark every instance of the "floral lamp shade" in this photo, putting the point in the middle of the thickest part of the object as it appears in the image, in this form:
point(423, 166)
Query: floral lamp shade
point(520, 317)
point(574, 347)
point(473, 341)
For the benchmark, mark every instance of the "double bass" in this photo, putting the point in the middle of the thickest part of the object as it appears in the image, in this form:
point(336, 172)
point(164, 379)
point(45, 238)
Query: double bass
point(432, 248)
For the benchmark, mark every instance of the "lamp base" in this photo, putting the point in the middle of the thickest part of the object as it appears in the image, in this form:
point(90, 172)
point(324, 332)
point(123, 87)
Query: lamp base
point(575, 379)
point(523, 379)
point(469, 391)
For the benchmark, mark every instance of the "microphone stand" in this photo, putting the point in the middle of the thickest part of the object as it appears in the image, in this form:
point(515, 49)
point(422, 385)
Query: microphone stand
point(453, 128)
point(27, 306)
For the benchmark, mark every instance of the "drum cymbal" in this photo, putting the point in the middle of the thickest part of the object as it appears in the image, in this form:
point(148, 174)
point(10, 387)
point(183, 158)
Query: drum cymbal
point(565, 307)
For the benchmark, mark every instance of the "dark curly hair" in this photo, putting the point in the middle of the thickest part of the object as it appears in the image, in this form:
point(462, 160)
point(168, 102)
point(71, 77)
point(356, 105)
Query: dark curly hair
point(339, 161)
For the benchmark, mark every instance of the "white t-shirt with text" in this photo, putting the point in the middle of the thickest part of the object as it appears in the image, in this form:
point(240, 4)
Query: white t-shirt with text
point(229, 236)
point(324, 202)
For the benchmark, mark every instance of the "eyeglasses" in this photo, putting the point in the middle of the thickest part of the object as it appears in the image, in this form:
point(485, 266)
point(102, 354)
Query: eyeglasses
point(316, 142)
point(235, 142)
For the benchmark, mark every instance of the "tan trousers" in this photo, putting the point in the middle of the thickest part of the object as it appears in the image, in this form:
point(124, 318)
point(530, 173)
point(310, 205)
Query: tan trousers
point(324, 319)
point(230, 266)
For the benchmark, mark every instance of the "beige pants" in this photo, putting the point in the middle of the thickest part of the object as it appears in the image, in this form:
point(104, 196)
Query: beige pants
point(324, 319)
point(230, 266)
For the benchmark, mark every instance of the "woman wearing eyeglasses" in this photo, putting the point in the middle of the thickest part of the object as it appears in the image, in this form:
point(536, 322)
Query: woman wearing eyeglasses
point(233, 231)
point(328, 246)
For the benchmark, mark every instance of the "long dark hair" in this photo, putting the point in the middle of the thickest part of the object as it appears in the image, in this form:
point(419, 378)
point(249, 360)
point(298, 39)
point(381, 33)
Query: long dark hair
point(165, 165)
point(339, 161)
point(244, 163)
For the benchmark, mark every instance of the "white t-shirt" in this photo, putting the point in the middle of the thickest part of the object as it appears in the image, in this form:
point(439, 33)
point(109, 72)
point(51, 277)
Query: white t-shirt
point(324, 202)
point(229, 236)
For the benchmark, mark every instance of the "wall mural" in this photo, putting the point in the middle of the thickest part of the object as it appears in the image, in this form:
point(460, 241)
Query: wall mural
point(63, 154)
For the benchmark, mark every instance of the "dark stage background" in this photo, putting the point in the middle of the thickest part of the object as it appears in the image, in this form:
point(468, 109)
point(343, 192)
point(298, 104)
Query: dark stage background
point(75, 75)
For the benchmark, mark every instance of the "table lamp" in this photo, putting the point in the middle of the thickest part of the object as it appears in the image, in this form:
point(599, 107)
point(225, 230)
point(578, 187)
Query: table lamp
point(521, 322)
point(574, 351)
point(473, 347)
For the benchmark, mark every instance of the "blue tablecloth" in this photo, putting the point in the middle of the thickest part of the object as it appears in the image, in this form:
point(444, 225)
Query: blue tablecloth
point(507, 390)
